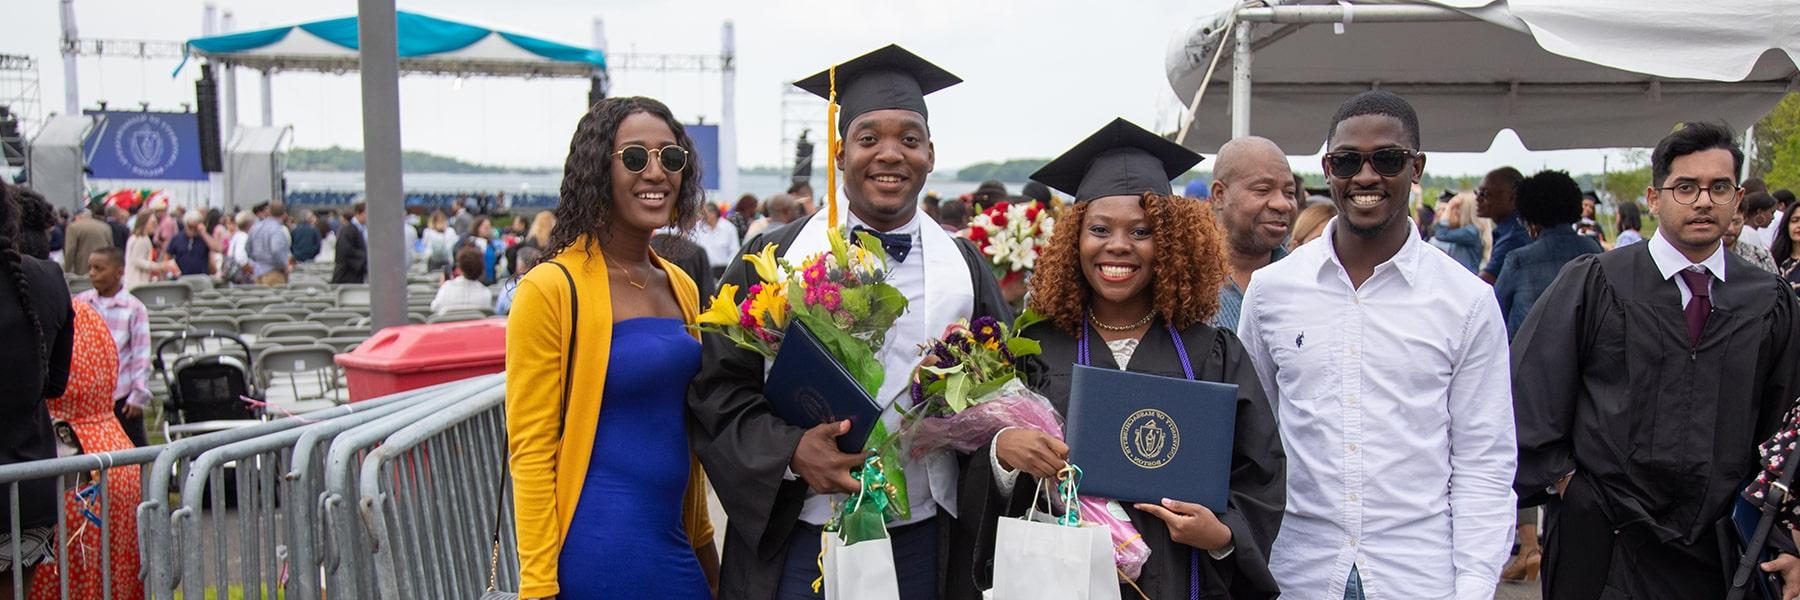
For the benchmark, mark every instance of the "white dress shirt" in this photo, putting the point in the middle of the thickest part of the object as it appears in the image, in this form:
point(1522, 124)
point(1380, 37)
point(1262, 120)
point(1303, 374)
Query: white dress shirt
point(719, 241)
point(1670, 261)
point(1395, 406)
point(462, 293)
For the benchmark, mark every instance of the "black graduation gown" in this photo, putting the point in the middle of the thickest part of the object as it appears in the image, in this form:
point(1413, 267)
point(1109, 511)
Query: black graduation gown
point(746, 449)
point(1258, 465)
point(1661, 434)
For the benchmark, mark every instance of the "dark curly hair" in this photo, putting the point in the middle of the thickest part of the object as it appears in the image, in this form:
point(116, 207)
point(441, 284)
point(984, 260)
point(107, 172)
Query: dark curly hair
point(36, 217)
point(585, 212)
point(1184, 280)
point(12, 264)
point(1548, 198)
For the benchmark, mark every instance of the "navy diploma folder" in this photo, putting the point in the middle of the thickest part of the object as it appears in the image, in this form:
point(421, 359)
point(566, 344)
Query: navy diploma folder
point(806, 386)
point(1141, 438)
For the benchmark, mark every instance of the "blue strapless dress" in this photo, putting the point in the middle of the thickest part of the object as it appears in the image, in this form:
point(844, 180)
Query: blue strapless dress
point(627, 539)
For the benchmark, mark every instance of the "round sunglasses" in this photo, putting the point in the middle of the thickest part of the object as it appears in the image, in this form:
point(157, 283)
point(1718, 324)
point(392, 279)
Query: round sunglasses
point(636, 158)
point(1388, 162)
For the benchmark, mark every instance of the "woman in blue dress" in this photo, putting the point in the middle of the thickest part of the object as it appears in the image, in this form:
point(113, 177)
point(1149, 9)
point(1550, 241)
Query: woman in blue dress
point(608, 501)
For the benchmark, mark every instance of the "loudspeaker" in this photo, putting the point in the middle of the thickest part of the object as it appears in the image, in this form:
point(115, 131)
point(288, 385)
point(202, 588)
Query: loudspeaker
point(12, 144)
point(206, 97)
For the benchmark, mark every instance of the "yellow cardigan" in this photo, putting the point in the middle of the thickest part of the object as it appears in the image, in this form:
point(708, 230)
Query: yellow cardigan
point(549, 448)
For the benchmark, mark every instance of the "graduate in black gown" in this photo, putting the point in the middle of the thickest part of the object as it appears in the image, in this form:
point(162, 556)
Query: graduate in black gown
point(1130, 264)
point(1643, 380)
point(776, 480)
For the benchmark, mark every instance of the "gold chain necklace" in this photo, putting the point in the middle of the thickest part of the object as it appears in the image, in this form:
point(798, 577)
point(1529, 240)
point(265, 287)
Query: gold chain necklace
point(634, 283)
point(1140, 323)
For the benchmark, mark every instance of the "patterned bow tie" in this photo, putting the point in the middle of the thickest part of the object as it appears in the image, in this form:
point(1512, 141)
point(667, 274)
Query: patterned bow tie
point(897, 245)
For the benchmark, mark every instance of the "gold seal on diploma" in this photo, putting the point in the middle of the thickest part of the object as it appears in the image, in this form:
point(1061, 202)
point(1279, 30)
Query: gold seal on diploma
point(1149, 438)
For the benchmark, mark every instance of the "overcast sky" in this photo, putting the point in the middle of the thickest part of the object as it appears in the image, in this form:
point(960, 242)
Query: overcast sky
point(1039, 74)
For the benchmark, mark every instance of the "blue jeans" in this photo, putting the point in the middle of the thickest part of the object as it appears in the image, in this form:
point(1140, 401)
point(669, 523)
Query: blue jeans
point(1353, 588)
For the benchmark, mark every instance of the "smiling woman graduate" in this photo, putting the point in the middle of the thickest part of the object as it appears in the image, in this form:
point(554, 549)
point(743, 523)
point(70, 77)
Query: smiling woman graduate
point(1133, 272)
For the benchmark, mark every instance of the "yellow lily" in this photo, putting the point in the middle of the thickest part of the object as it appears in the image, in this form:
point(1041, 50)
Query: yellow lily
point(766, 266)
point(722, 309)
point(770, 307)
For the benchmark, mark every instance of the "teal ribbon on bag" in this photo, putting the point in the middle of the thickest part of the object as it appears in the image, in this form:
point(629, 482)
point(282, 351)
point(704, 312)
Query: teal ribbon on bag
point(1068, 484)
point(875, 485)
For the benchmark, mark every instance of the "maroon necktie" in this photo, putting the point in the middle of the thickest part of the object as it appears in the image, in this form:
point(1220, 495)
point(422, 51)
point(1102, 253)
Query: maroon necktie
point(1699, 283)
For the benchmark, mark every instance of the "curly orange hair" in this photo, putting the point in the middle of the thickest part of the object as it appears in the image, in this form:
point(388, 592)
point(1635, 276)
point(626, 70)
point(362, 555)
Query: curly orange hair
point(1184, 279)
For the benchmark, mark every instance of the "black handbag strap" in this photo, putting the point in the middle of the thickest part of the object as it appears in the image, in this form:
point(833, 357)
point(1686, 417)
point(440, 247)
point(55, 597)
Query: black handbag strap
point(568, 376)
point(1772, 500)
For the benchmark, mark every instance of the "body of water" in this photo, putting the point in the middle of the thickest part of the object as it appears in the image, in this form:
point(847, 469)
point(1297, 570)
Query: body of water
point(549, 183)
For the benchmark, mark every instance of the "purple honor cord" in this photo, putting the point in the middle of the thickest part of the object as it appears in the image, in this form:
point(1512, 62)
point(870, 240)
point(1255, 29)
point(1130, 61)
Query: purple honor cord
point(1081, 358)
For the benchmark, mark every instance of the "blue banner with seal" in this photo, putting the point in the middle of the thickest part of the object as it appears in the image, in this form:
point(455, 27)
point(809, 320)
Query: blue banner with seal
point(144, 145)
point(706, 145)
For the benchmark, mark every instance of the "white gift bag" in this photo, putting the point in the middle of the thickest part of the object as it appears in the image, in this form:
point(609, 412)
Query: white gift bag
point(861, 571)
point(1038, 558)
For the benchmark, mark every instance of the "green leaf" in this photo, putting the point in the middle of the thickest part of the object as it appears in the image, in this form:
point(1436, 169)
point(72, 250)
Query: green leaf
point(956, 391)
point(941, 371)
point(976, 392)
point(872, 245)
point(840, 250)
point(1020, 346)
point(852, 353)
point(1027, 319)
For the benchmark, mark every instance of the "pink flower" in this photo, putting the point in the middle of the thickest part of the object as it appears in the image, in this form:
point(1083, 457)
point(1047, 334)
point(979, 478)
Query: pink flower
point(814, 274)
point(832, 298)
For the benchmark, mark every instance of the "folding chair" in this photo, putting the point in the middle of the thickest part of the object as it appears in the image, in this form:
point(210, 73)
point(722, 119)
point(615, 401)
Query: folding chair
point(300, 378)
point(302, 329)
point(163, 294)
point(253, 324)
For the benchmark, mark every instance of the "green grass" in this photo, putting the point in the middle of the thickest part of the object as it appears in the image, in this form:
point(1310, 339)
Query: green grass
point(234, 592)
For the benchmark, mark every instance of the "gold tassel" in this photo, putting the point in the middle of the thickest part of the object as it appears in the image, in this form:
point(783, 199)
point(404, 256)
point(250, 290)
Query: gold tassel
point(832, 146)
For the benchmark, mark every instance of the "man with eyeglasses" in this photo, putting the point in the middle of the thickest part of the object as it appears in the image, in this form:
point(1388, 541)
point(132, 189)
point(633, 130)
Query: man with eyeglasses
point(1386, 362)
point(777, 481)
point(1644, 379)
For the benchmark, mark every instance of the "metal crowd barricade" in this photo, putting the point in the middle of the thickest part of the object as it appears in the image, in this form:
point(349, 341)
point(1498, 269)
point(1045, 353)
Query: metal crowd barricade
point(348, 540)
point(431, 496)
point(156, 545)
point(270, 515)
point(62, 469)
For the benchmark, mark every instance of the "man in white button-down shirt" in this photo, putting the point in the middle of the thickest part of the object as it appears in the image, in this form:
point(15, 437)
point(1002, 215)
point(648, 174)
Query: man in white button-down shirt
point(1386, 361)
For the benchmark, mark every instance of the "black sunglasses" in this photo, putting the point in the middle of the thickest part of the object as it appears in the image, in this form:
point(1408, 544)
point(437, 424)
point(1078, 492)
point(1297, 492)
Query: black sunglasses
point(1388, 162)
point(635, 158)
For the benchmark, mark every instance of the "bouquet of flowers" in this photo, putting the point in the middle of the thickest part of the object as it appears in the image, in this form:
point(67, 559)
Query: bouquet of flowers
point(969, 386)
point(843, 298)
point(1011, 236)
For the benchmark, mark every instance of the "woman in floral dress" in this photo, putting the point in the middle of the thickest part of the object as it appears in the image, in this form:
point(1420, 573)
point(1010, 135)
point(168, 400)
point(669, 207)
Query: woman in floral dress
point(87, 406)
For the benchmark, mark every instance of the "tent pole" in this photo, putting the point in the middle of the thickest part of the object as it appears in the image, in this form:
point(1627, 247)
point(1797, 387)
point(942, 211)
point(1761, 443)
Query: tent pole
point(268, 99)
point(383, 193)
point(1240, 83)
point(728, 175)
point(71, 76)
point(229, 25)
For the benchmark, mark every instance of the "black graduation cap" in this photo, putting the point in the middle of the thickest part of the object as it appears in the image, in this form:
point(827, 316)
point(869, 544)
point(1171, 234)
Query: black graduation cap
point(1121, 159)
point(890, 77)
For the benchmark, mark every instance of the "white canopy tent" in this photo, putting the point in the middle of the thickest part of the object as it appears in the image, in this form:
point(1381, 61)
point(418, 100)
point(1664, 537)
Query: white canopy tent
point(56, 161)
point(1560, 74)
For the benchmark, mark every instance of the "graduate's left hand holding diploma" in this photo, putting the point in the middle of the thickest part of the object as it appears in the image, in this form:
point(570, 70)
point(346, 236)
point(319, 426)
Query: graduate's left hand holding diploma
point(818, 461)
point(1191, 524)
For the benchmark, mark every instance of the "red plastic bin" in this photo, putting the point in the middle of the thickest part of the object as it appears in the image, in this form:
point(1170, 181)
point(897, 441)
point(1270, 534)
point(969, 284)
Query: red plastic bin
point(414, 356)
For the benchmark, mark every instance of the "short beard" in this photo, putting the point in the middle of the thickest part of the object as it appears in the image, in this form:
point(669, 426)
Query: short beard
point(1370, 232)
